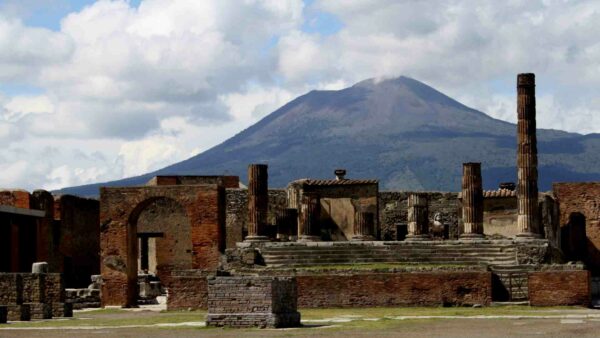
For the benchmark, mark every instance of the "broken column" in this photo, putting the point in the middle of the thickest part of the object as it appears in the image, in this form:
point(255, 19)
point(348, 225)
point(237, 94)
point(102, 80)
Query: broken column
point(310, 213)
point(527, 188)
point(418, 217)
point(364, 223)
point(258, 202)
point(472, 201)
point(287, 224)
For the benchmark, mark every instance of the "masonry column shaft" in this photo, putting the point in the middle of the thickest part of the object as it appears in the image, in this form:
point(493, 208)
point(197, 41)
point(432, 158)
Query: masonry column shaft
point(527, 172)
point(364, 223)
point(258, 202)
point(472, 201)
point(287, 224)
point(418, 217)
point(310, 213)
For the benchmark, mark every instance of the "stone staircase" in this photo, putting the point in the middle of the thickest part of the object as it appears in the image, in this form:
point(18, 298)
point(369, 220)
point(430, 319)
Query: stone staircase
point(435, 253)
point(512, 281)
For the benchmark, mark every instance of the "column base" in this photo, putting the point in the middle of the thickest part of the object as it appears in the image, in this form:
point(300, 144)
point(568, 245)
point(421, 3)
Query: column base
point(362, 238)
point(309, 238)
point(525, 236)
point(471, 237)
point(256, 239)
point(417, 238)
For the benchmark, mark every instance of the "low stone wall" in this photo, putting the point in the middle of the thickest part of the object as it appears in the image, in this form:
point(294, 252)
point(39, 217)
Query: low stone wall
point(188, 290)
point(395, 289)
point(554, 288)
point(252, 302)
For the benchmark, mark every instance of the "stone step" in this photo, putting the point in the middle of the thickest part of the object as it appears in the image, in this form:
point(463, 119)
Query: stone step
point(318, 261)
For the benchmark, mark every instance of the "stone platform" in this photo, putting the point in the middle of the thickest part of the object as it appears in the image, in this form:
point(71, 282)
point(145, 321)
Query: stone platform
point(253, 302)
point(455, 252)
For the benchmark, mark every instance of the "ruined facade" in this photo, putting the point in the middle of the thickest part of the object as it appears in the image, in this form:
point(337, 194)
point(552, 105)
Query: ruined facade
point(61, 230)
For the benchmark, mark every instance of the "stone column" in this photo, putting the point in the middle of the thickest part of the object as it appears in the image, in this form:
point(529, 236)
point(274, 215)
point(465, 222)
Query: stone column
point(527, 188)
point(364, 223)
point(418, 217)
point(287, 224)
point(472, 201)
point(258, 202)
point(310, 212)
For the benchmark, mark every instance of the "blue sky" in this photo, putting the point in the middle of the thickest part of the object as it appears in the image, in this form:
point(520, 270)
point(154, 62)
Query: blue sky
point(95, 91)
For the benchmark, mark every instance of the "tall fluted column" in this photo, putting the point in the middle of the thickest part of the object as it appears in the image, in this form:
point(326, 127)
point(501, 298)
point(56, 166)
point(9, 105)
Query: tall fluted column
point(527, 187)
point(472, 201)
point(364, 223)
point(287, 224)
point(310, 212)
point(258, 202)
point(418, 217)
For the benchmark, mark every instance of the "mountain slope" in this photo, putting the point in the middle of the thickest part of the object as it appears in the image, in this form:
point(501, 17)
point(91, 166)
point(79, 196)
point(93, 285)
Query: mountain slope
point(401, 131)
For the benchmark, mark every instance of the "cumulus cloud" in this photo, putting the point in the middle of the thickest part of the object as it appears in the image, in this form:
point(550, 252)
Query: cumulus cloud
point(122, 90)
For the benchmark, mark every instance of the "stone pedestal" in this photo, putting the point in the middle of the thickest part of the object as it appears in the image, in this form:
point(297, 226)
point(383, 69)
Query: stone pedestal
point(310, 213)
point(527, 186)
point(258, 202)
point(472, 201)
point(364, 223)
point(418, 217)
point(253, 302)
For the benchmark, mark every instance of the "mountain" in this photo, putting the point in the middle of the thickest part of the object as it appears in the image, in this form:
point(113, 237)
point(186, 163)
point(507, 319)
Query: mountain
point(401, 131)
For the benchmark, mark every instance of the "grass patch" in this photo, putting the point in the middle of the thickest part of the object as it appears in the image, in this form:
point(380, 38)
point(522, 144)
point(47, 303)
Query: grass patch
point(381, 312)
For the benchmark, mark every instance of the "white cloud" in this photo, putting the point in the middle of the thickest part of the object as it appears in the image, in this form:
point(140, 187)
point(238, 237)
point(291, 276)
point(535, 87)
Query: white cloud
point(124, 90)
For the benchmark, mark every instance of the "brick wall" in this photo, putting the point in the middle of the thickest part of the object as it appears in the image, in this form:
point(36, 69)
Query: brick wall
point(395, 289)
point(252, 301)
point(119, 212)
point(583, 200)
point(554, 288)
point(188, 290)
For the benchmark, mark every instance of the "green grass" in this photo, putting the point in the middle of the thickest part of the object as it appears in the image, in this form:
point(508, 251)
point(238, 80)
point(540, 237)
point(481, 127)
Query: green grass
point(380, 312)
point(360, 316)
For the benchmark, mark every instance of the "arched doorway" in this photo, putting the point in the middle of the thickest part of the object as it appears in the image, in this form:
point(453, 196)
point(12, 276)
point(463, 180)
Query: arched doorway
point(163, 238)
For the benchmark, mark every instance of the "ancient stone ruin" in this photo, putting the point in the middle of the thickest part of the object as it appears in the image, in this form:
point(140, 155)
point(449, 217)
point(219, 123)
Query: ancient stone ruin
point(319, 242)
point(252, 302)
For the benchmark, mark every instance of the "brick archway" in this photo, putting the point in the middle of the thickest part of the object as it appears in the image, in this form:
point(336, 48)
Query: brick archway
point(119, 210)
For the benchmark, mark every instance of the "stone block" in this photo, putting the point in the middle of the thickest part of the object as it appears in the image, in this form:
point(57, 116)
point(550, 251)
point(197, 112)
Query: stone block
point(252, 302)
point(18, 312)
point(39, 267)
point(40, 310)
point(11, 289)
point(62, 310)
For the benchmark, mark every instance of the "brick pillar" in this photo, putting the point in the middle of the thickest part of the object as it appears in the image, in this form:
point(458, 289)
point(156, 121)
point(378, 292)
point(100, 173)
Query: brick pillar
point(258, 202)
point(527, 187)
point(364, 223)
point(287, 224)
point(418, 217)
point(310, 212)
point(472, 201)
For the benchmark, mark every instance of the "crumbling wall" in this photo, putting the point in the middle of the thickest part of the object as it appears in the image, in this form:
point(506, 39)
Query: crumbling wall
point(78, 234)
point(579, 210)
point(393, 211)
point(556, 288)
point(236, 219)
point(394, 289)
point(173, 248)
point(188, 290)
